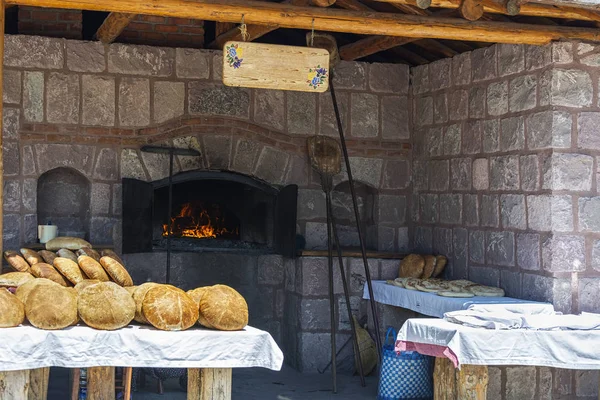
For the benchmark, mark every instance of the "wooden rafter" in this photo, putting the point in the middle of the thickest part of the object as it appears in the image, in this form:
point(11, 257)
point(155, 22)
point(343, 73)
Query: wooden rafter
point(364, 23)
point(112, 26)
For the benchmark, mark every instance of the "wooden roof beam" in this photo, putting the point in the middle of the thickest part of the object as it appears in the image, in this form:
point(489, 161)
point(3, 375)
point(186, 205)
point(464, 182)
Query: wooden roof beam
point(112, 26)
point(330, 20)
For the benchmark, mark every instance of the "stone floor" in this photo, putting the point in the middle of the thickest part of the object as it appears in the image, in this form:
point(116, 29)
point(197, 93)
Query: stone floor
point(251, 384)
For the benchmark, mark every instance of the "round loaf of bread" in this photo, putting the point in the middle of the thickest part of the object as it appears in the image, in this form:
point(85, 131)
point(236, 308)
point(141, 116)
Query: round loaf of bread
point(106, 306)
point(197, 295)
point(85, 283)
point(15, 260)
point(43, 270)
point(111, 254)
point(51, 307)
point(15, 279)
point(116, 271)
point(23, 291)
point(440, 264)
point(66, 253)
point(12, 311)
point(131, 289)
point(92, 268)
point(69, 269)
point(169, 308)
point(429, 267)
point(224, 308)
point(66, 242)
point(412, 266)
point(138, 297)
point(48, 256)
point(32, 257)
point(86, 251)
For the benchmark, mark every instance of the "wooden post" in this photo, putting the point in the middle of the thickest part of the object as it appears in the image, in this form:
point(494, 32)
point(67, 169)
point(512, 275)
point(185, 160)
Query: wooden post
point(470, 382)
point(2, 25)
point(209, 384)
point(101, 383)
point(127, 373)
point(75, 376)
point(14, 385)
point(38, 383)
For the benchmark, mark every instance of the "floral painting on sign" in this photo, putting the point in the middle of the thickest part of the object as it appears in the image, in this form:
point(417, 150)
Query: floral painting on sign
point(234, 55)
point(316, 76)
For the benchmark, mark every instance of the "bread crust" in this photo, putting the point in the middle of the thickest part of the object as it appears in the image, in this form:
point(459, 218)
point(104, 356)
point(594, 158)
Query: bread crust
point(66, 242)
point(224, 308)
point(169, 308)
point(116, 271)
point(12, 311)
point(51, 307)
point(105, 306)
point(92, 268)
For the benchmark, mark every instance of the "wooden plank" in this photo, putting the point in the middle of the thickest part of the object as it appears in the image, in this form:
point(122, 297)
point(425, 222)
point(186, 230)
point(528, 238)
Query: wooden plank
point(222, 27)
point(331, 20)
point(14, 385)
point(444, 380)
point(38, 383)
point(127, 375)
point(371, 45)
point(471, 9)
point(266, 66)
point(75, 374)
point(209, 384)
point(112, 26)
point(101, 383)
point(2, 28)
point(470, 382)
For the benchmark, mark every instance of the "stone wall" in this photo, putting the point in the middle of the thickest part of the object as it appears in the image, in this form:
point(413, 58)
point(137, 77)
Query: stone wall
point(506, 183)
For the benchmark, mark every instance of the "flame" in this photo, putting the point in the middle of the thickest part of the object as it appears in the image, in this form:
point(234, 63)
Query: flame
point(197, 223)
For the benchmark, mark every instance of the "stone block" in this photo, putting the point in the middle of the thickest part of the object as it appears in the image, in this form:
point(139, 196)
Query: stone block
point(414, 207)
point(563, 382)
point(439, 73)
point(528, 251)
point(11, 160)
point(28, 161)
point(218, 100)
point(270, 269)
point(269, 108)
point(30, 224)
point(472, 140)
point(366, 170)
point(484, 275)
point(358, 308)
point(85, 56)
point(500, 248)
point(588, 294)
point(50, 156)
point(389, 78)
point(587, 130)
point(392, 209)
point(511, 59)
point(29, 195)
point(11, 93)
point(460, 105)
point(471, 209)
point(217, 150)
point(489, 211)
point(301, 113)
point(494, 389)
point(33, 52)
point(440, 108)
point(62, 95)
point(504, 173)
point(131, 165)
point(460, 173)
point(539, 211)
point(217, 66)
point(519, 383)
point(562, 213)
point(563, 253)
point(595, 260)
point(98, 100)
point(396, 174)
point(12, 196)
point(298, 171)
point(522, 94)
point(11, 232)
point(420, 79)
point(442, 241)
point(452, 140)
point(572, 172)
point(589, 214)
point(459, 267)
point(537, 57)
point(491, 136)
point(350, 75)
point(314, 350)
point(169, 101)
point(100, 198)
point(385, 238)
point(483, 62)
point(584, 48)
point(33, 96)
point(423, 241)
point(10, 123)
point(562, 52)
point(451, 209)
point(424, 111)
point(586, 383)
point(404, 245)
point(481, 176)
point(311, 204)
point(357, 276)
point(429, 208)
point(140, 60)
point(530, 173)
point(477, 247)
point(439, 175)
point(271, 165)
point(157, 165)
point(497, 98)
point(461, 69)
point(420, 175)
point(117, 206)
point(102, 229)
point(477, 101)
point(511, 283)
point(192, 63)
point(315, 281)
point(434, 141)
point(395, 117)
point(512, 211)
point(189, 163)
point(327, 121)
point(364, 115)
point(512, 136)
point(545, 383)
point(571, 88)
point(134, 102)
point(246, 153)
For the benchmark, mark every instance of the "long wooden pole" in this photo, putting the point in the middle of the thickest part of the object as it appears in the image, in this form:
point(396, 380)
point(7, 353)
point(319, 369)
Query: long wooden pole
point(112, 26)
point(365, 23)
point(2, 27)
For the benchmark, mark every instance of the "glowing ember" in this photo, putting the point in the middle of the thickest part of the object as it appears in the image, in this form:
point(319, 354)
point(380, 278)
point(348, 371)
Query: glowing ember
point(196, 221)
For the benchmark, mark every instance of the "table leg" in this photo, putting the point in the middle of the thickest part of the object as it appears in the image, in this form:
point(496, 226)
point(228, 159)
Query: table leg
point(14, 384)
point(75, 377)
point(38, 383)
point(470, 382)
point(101, 383)
point(127, 372)
point(209, 384)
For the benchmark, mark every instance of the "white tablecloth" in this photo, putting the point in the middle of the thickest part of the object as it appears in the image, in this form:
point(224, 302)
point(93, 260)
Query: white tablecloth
point(26, 347)
point(571, 349)
point(428, 303)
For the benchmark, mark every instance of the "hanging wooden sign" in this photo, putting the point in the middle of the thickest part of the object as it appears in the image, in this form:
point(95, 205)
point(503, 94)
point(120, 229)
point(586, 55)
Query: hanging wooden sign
point(267, 66)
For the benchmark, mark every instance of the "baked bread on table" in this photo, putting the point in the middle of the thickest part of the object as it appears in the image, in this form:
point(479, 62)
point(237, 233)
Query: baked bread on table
point(66, 242)
point(116, 271)
point(48, 256)
point(169, 308)
point(138, 297)
point(86, 251)
point(23, 291)
point(224, 308)
point(105, 306)
point(12, 310)
point(85, 283)
point(131, 289)
point(16, 261)
point(197, 295)
point(92, 268)
point(111, 254)
point(66, 253)
point(440, 264)
point(43, 270)
point(69, 269)
point(15, 279)
point(429, 267)
point(51, 307)
point(411, 266)
point(32, 257)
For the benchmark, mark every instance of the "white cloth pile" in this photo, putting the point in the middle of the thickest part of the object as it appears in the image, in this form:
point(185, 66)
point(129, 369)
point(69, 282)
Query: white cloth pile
point(521, 316)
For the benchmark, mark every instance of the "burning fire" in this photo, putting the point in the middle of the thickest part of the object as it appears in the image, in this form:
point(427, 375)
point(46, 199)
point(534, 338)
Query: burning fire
point(195, 221)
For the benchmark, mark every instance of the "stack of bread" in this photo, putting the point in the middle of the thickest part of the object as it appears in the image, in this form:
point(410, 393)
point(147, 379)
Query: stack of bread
point(70, 281)
point(421, 273)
